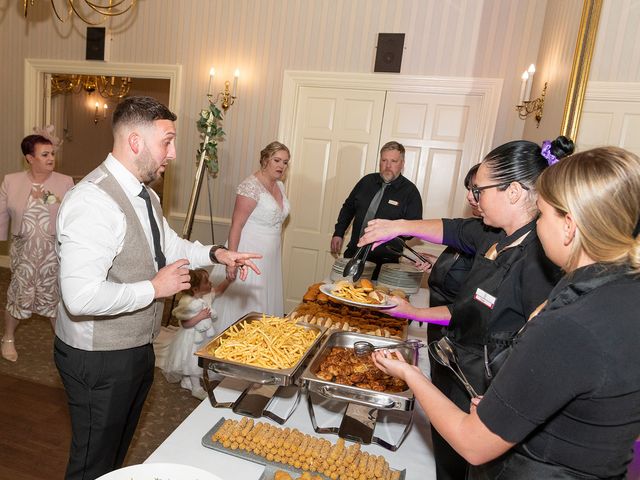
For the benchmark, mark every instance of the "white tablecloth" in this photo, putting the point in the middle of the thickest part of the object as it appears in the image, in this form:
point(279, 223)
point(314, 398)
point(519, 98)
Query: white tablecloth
point(184, 445)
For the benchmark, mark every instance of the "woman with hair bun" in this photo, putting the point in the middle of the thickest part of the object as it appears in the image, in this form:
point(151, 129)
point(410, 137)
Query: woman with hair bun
point(566, 403)
point(510, 276)
point(261, 208)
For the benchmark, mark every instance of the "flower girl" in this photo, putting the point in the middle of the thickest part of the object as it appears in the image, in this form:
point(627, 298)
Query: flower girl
point(196, 315)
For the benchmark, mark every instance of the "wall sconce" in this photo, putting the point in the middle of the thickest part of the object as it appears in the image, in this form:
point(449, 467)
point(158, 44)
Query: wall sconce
point(227, 97)
point(96, 115)
point(526, 106)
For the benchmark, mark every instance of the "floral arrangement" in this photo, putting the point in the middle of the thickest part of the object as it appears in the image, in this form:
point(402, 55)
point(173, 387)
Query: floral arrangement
point(49, 198)
point(209, 126)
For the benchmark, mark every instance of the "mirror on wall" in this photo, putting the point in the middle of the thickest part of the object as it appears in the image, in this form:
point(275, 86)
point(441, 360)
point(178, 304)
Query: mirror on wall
point(609, 112)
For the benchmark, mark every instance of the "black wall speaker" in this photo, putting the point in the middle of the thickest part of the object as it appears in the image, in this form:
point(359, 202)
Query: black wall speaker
point(389, 52)
point(95, 43)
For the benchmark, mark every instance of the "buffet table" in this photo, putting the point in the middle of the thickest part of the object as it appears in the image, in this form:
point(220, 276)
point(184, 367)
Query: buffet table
point(184, 445)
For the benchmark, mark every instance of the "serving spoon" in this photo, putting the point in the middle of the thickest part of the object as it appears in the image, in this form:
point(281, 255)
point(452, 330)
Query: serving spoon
point(442, 351)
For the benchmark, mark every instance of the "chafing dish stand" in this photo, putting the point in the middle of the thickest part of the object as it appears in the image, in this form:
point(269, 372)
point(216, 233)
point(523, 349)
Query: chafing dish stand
point(254, 400)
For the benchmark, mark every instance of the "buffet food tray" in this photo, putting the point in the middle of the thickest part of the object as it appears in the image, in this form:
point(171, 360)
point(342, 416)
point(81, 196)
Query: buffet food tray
point(403, 401)
point(334, 317)
point(264, 376)
point(271, 467)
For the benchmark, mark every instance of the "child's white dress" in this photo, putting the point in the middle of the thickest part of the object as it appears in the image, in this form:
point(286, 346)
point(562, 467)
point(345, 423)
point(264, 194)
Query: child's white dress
point(181, 361)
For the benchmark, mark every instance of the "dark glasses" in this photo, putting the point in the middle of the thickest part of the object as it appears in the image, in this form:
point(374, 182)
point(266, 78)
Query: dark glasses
point(475, 191)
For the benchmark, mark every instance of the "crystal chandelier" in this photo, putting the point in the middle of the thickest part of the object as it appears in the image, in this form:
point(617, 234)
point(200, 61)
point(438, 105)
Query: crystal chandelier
point(87, 8)
point(108, 87)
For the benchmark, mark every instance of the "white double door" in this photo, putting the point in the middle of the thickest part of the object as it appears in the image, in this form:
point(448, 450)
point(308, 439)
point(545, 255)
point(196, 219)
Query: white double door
point(337, 136)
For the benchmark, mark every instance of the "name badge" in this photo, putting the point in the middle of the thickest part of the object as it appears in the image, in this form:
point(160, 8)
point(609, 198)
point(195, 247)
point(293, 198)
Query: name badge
point(393, 202)
point(485, 298)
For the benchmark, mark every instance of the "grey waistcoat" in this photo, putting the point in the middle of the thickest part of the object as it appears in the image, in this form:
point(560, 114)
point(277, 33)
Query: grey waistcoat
point(134, 263)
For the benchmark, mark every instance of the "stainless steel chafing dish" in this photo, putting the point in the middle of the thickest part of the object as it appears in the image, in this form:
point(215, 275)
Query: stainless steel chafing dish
point(381, 400)
point(266, 382)
point(360, 417)
point(251, 373)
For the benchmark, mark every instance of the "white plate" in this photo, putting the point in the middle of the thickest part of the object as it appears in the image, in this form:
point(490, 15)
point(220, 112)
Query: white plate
point(159, 471)
point(327, 287)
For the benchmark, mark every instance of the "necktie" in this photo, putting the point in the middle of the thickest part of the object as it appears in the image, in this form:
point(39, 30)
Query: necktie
point(160, 259)
point(373, 207)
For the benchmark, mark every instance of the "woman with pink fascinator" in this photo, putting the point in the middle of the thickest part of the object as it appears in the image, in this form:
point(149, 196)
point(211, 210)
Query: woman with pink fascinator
point(29, 201)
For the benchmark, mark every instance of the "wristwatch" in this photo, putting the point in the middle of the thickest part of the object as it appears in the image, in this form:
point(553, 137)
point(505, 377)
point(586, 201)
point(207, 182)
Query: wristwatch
point(212, 252)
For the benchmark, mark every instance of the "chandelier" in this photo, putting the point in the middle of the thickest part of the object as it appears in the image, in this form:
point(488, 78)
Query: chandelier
point(104, 8)
point(108, 87)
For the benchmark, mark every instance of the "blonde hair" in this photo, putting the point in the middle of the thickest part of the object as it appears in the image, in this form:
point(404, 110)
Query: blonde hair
point(270, 150)
point(600, 188)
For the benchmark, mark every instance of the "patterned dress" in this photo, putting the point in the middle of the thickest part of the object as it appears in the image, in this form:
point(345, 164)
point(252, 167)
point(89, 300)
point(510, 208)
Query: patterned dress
point(34, 264)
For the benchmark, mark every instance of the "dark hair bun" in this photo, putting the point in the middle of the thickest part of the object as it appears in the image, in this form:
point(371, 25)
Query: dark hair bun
point(562, 147)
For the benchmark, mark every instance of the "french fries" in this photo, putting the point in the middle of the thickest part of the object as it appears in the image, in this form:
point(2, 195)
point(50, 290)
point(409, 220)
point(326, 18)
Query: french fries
point(275, 343)
point(348, 291)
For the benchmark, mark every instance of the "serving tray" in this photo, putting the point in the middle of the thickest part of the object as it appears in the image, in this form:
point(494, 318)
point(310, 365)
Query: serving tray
point(270, 467)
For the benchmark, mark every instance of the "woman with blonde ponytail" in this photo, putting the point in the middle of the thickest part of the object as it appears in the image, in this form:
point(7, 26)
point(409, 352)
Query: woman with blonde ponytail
point(566, 404)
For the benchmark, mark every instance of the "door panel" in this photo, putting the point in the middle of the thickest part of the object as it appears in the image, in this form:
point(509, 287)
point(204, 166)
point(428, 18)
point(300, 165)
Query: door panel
point(610, 116)
point(440, 146)
point(337, 135)
point(334, 145)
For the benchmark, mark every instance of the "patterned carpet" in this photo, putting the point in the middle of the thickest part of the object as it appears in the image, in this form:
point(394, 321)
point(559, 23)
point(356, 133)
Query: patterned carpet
point(166, 407)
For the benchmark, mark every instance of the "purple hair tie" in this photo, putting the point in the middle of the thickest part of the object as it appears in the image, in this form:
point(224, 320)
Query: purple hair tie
point(546, 153)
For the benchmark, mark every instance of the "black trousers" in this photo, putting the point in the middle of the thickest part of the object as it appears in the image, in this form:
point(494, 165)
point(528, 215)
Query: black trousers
point(106, 391)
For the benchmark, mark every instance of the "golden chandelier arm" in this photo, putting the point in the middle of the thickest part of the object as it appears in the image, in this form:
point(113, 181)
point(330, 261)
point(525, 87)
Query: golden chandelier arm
point(108, 10)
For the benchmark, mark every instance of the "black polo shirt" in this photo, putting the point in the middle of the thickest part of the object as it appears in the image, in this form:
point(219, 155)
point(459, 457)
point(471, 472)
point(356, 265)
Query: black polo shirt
point(570, 391)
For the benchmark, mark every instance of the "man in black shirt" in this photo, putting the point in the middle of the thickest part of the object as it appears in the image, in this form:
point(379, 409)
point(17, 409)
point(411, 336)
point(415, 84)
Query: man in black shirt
point(400, 199)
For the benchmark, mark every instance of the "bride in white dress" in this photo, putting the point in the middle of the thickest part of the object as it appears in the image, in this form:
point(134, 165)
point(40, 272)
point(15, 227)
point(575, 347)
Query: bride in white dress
point(256, 226)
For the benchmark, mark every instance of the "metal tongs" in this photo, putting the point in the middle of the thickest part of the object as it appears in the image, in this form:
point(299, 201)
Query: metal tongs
point(399, 250)
point(443, 352)
point(355, 266)
point(363, 348)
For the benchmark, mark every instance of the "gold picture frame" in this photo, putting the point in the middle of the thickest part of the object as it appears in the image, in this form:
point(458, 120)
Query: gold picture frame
point(583, 54)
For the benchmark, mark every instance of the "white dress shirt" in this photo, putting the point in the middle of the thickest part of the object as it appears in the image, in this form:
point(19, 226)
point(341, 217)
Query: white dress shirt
point(91, 230)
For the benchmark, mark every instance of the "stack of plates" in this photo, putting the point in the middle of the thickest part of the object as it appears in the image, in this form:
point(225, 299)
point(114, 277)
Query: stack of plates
point(338, 267)
point(400, 276)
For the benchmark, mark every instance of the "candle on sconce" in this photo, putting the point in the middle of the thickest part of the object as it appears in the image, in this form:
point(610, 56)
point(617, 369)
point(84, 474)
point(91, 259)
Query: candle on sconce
point(236, 74)
point(531, 71)
point(105, 111)
point(523, 86)
point(212, 74)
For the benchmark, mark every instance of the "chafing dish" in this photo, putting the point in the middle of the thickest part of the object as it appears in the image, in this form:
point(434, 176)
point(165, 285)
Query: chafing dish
point(251, 373)
point(361, 414)
point(381, 400)
point(255, 399)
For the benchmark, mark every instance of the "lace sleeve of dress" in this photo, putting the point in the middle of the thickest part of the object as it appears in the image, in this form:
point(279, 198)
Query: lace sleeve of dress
point(250, 187)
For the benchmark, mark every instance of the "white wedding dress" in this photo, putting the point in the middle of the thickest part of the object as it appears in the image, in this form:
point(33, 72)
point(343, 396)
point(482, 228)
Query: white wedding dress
point(261, 234)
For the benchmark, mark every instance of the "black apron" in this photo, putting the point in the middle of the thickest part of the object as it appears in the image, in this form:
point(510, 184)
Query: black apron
point(468, 337)
point(476, 344)
point(515, 465)
point(520, 463)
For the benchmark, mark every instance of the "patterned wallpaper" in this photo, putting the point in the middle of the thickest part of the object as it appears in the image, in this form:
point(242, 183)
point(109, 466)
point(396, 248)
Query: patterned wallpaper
point(263, 38)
